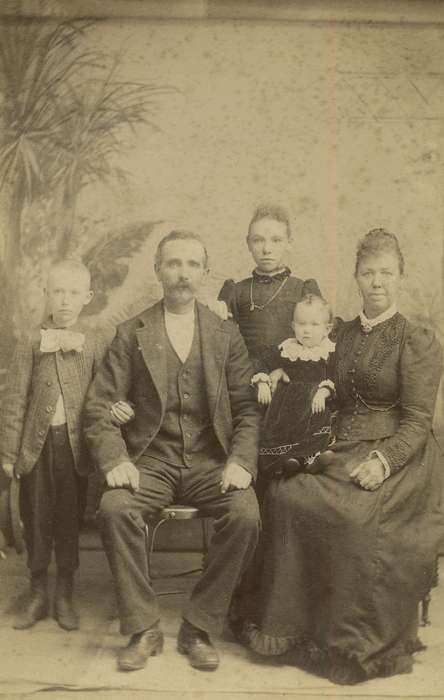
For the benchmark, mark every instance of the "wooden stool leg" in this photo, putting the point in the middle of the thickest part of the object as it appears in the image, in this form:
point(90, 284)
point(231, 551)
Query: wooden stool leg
point(425, 604)
point(205, 539)
point(150, 540)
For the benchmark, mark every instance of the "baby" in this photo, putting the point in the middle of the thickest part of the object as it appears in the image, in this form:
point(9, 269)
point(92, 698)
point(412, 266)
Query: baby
point(297, 425)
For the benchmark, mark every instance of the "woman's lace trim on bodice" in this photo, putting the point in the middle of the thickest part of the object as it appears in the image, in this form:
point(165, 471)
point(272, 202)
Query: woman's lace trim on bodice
point(377, 346)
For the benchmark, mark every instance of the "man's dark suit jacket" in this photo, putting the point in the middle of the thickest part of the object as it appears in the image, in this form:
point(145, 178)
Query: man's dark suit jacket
point(135, 369)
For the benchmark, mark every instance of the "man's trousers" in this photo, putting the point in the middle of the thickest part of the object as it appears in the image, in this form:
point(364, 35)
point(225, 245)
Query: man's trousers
point(122, 518)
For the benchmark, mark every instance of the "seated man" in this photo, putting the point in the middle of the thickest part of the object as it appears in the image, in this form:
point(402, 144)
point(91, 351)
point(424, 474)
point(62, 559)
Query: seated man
point(193, 440)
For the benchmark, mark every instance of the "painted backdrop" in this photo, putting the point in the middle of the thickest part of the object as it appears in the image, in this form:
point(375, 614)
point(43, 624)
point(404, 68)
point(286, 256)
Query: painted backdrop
point(115, 132)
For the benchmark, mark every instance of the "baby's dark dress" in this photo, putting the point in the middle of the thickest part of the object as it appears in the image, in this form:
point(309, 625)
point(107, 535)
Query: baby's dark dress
point(291, 429)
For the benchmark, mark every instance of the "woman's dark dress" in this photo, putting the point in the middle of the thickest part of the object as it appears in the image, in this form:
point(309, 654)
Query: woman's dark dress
point(344, 567)
point(290, 427)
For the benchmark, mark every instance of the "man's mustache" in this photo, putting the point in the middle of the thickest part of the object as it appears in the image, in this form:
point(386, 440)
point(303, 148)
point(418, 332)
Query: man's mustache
point(182, 285)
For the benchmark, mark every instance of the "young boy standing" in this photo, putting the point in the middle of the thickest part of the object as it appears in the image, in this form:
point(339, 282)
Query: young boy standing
point(41, 442)
point(262, 305)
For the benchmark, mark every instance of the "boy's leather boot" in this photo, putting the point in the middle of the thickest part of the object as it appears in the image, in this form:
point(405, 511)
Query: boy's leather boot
point(64, 611)
point(36, 607)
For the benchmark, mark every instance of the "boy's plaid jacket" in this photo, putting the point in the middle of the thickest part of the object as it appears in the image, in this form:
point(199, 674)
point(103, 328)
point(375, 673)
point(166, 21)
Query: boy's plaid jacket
point(33, 383)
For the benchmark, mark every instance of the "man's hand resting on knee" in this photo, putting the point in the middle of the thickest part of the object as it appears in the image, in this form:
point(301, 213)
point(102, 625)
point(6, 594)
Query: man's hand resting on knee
point(234, 477)
point(124, 476)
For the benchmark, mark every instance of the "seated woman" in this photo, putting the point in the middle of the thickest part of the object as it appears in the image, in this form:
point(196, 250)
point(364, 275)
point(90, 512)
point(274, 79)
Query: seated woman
point(351, 551)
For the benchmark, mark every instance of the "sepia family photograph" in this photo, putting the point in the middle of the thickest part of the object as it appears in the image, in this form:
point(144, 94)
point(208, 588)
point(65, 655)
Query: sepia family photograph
point(222, 408)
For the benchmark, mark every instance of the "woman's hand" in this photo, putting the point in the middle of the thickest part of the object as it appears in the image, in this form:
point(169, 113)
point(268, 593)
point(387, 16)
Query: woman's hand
point(369, 475)
point(319, 399)
point(122, 412)
point(264, 393)
point(276, 376)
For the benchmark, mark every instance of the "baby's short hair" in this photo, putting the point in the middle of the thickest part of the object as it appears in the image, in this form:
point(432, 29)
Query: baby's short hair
point(315, 300)
point(71, 265)
point(271, 212)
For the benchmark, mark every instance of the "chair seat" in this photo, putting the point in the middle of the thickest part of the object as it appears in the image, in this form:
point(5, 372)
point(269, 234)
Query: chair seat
point(178, 512)
point(173, 512)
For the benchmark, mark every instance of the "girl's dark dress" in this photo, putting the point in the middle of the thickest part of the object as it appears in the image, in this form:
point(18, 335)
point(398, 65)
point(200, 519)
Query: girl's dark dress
point(273, 298)
point(345, 568)
point(290, 427)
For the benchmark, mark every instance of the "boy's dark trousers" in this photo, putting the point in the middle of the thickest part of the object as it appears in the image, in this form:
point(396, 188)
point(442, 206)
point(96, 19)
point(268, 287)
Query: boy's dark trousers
point(49, 505)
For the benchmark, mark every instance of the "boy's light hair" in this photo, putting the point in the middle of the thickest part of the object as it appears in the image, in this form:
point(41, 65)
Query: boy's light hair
point(71, 265)
point(315, 300)
point(270, 212)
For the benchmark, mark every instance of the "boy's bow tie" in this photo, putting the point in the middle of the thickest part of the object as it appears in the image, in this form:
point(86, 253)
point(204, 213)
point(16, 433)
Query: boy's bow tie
point(54, 339)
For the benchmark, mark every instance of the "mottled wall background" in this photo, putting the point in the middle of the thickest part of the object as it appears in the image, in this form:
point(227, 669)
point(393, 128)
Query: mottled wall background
point(343, 125)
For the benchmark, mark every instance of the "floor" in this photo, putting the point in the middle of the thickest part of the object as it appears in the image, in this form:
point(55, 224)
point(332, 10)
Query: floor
point(82, 664)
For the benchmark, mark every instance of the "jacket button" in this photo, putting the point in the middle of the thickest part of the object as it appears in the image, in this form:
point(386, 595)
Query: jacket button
point(186, 395)
point(48, 409)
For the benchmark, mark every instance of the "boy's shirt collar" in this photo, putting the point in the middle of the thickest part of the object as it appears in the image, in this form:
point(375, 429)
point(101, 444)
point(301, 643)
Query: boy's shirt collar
point(77, 327)
point(264, 278)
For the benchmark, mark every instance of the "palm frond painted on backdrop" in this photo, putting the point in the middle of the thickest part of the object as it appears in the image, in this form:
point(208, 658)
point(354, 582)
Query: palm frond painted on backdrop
point(108, 259)
point(65, 117)
point(36, 60)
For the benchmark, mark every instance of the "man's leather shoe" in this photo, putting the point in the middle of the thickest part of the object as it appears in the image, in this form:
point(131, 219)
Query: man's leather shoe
point(196, 644)
point(140, 647)
point(36, 609)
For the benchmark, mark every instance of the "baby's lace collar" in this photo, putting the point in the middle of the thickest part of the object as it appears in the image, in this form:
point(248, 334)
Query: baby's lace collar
point(292, 350)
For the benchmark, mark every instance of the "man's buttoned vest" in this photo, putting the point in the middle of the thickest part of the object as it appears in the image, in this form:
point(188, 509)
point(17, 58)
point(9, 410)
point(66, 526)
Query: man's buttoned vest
point(186, 437)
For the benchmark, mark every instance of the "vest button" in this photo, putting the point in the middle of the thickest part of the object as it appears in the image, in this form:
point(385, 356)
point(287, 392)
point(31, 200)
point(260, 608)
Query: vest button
point(186, 395)
point(41, 433)
point(48, 409)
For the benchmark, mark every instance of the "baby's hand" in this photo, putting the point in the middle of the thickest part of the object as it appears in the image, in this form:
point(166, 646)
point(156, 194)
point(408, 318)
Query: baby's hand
point(122, 412)
point(318, 403)
point(276, 376)
point(263, 393)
